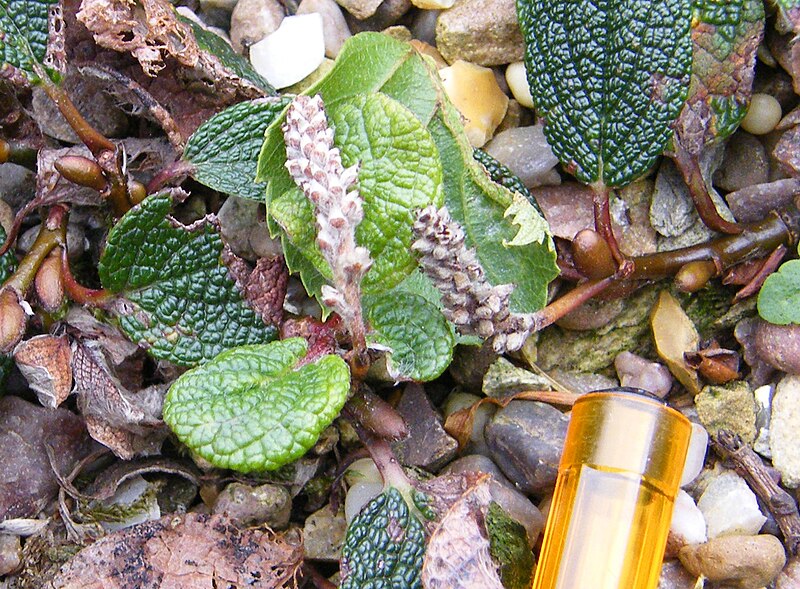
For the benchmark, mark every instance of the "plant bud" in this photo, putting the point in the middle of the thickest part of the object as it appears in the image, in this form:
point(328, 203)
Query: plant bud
point(695, 275)
point(81, 171)
point(5, 151)
point(136, 191)
point(13, 320)
point(49, 283)
point(592, 256)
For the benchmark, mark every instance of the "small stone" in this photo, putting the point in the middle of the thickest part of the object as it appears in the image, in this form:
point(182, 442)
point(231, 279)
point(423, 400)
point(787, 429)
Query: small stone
point(474, 91)
point(695, 455)
point(470, 364)
point(503, 379)
point(10, 554)
point(388, 13)
point(762, 115)
point(525, 151)
point(593, 314)
point(517, 78)
point(675, 576)
point(427, 444)
point(323, 534)
point(252, 20)
point(477, 463)
point(485, 32)
point(424, 27)
point(334, 26)
point(745, 164)
point(730, 407)
point(265, 504)
point(763, 396)
point(778, 345)
point(784, 428)
point(361, 9)
point(6, 216)
point(17, 186)
point(730, 507)
point(525, 439)
point(292, 52)
point(740, 562)
point(790, 575)
point(687, 526)
point(640, 373)
point(433, 4)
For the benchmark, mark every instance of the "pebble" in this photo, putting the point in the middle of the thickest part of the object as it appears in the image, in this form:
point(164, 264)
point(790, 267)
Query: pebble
point(688, 526)
point(243, 231)
point(323, 534)
point(292, 52)
point(593, 314)
point(252, 20)
point(778, 345)
point(517, 79)
point(427, 444)
point(637, 372)
point(525, 439)
point(433, 4)
point(334, 27)
point(474, 91)
point(695, 455)
point(790, 575)
point(424, 26)
point(745, 164)
point(763, 396)
point(17, 186)
point(249, 505)
point(470, 364)
point(504, 379)
point(762, 115)
point(485, 32)
point(525, 151)
point(10, 554)
point(731, 406)
point(361, 9)
point(741, 562)
point(784, 426)
point(675, 576)
point(730, 507)
point(388, 13)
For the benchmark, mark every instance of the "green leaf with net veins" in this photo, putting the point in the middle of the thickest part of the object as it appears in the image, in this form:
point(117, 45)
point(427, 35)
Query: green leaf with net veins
point(779, 298)
point(256, 408)
point(224, 150)
point(609, 78)
point(24, 34)
point(384, 545)
point(725, 37)
point(175, 296)
point(416, 332)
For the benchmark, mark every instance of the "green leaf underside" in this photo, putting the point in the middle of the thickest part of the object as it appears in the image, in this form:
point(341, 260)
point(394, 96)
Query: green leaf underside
point(24, 34)
point(384, 546)
point(609, 77)
point(779, 298)
point(217, 46)
point(419, 336)
point(250, 409)
point(224, 149)
point(372, 62)
point(399, 173)
point(180, 302)
point(725, 37)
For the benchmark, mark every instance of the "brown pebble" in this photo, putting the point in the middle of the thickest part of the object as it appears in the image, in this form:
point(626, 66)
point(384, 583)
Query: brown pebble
point(742, 562)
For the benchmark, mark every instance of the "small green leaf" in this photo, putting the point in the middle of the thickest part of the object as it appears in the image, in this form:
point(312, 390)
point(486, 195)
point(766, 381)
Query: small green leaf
point(24, 34)
point(177, 298)
point(399, 173)
point(384, 546)
point(224, 149)
point(217, 46)
point(609, 78)
point(725, 37)
point(419, 336)
point(252, 409)
point(779, 298)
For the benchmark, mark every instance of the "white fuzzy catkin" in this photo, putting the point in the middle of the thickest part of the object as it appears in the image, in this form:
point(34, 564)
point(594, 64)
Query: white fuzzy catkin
point(316, 166)
point(475, 306)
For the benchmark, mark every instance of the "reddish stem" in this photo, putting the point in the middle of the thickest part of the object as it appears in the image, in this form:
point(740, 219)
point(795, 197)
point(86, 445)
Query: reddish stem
point(602, 224)
point(79, 293)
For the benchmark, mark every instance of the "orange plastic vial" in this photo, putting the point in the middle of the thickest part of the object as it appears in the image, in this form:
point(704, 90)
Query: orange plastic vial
point(617, 480)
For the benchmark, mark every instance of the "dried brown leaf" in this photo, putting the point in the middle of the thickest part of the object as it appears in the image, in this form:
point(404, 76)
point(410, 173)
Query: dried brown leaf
point(192, 551)
point(675, 335)
point(458, 552)
point(44, 361)
point(127, 422)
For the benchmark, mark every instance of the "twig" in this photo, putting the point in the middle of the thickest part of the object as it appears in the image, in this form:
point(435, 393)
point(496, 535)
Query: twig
point(780, 503)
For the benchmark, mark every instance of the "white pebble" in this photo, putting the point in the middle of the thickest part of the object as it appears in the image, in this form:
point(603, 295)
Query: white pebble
point(762, 116)
point(334, 26)
point(696, 455)
point(688, 524)
point(292, 52)
point(730, 507)
point(783, 430)
point(358, 496)
point(517, 78)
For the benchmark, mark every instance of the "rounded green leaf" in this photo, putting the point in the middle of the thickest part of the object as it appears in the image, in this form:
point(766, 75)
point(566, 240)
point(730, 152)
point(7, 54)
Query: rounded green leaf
point(779, 298)
point(253, 409)
point(419, 337)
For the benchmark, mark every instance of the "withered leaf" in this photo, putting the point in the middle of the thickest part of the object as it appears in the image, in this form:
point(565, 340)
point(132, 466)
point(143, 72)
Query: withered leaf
point(675, 335)
point(44, 361)
point(264, 286)
point(191, 551)
point(458, 552)
point(129, 423)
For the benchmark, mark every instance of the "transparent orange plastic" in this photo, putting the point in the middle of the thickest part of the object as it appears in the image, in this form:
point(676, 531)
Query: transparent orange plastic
point(617, 481)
